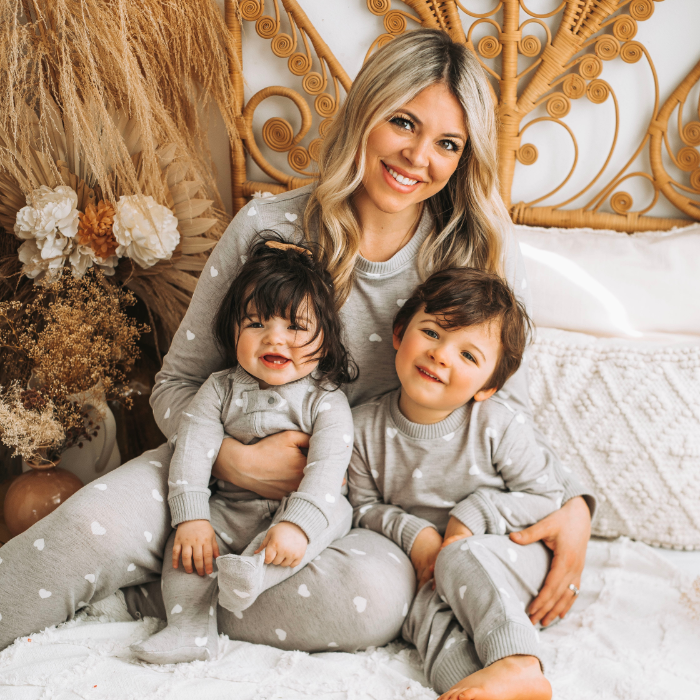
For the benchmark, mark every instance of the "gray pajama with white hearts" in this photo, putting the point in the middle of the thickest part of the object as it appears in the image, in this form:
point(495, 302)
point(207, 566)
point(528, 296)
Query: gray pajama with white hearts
point(231, 403)
point(356, 600)
point(482, 466)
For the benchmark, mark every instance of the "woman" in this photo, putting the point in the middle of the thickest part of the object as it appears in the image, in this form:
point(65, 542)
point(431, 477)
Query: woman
point(407, 184)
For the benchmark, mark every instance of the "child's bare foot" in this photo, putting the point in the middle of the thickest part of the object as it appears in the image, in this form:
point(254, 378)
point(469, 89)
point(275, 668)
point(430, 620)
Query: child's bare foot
point(511, 678)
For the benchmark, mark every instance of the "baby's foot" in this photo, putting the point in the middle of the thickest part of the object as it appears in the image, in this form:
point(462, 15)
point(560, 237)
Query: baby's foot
point(240, 580)
point(511, 678)
point(170, 646)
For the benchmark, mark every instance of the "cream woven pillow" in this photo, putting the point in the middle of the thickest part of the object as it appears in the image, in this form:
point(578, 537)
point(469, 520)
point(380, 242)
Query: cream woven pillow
point(624, 416)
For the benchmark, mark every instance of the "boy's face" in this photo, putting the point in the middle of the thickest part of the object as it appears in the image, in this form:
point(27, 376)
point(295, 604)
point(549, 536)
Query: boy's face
point(274, 351)
point(441, 370)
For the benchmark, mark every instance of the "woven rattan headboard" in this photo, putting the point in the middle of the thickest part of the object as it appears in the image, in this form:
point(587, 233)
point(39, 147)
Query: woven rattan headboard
point(566, 66)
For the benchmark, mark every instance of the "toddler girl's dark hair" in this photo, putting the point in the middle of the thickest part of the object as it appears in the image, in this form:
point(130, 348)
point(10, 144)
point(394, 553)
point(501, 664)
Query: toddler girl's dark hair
point(464, 296)
point(279, 279)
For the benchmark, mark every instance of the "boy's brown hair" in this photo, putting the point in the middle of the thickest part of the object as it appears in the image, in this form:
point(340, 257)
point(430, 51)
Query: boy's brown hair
point(464, 296)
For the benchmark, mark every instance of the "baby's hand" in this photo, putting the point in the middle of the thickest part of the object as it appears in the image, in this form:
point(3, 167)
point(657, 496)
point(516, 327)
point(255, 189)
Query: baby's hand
point(424, 552)
point(284, 545)
point(455, 531)
point(195, 539)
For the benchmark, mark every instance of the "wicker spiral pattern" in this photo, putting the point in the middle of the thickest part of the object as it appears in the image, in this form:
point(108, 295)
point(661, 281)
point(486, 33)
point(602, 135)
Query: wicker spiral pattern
point(695, 180)
point(282, 45)
point(313, 83)
point(597, 91)
point(278, 134)
point(325, 105)
point(688, 158)
point(625, 28)
point(299, 159)
point(250, 9)
point(621, 202)
point(607, 48)
point(315, 149)
point(299, 64)
point(558, 106)
point(266, 27)
point(691, 134)
point(574, 86)
point(395, 22)
point(631, 52)
point(529, 46)
point(527, 154)
point(590, 67)
point(379, 7)
point(324, 126)
point(641, 9)
point(489, 47)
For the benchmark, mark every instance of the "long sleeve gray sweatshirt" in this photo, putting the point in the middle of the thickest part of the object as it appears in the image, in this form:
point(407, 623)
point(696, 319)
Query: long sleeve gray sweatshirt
point(231, 403)
point(481, 465)
point(379, 289)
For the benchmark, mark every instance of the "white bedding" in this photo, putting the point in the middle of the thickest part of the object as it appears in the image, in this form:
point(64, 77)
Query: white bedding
point(633, 635)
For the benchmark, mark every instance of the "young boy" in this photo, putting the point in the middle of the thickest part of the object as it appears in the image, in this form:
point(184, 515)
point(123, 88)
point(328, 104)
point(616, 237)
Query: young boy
point(446, 469)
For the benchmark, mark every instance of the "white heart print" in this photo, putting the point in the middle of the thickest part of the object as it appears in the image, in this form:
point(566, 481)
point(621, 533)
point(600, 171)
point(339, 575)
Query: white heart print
point(211, 453)
point(464, 547)
point(90, 578)
point(512, 554)
point(225, 537)
point(364, 509)
point(241, 594)
point(101, 487)
point(360, 603)
point(505, 592)
point(290, 217)
point(239, 403)
point(156, 464)
point(181, 482)
point(39, 544)
point(375, 473)
point(148, 536)
point(166, 416)
point(239, 615)
point(520, 418)
point(177, 609)
point(44, 593)
point(252, 212)
point(281, 635)
point(517, 494)
point(448, 437)
point(304, 591)
point(393, 556)
point(523, 284)
point(490, 433)
point(474, 470)
point(358, 551)
point(346, 438)
point(213, 271)
point(96, 528)
point(449, 642)
point(200, 641)
point(417, 474)
point(462, 591)
point(508, 462)
point(332, 644)
point(156, 495)
point(211, 611)
point(542, 479)
point(324, 407)
point(502, 526)
point(190, 335)
point(401, 302)
point(391, 432)
point(374, 338)
point(243, 259)
point(131, 567)
point(329, 498)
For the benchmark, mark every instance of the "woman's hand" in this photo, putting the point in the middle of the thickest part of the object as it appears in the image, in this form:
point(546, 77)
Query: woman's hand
point(195, 540)
point(566, 532)
point(424, 552)
point(272, 468)
point(284, 545)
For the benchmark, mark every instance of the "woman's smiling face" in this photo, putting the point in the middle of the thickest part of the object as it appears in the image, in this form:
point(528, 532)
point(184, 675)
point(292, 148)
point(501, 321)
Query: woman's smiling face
point(413, 154)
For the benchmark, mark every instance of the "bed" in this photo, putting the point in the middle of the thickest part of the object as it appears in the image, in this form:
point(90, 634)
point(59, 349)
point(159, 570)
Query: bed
point(611, 362)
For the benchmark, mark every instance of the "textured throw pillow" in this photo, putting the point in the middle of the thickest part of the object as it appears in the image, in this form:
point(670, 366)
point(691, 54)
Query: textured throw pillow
point(624, 416)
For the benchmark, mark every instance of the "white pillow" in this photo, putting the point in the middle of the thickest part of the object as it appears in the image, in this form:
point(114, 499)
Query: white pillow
point(625, 417)
point(614, 284)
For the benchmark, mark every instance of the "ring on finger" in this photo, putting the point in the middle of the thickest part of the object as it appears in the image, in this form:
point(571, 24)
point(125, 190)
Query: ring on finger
point(574, 589)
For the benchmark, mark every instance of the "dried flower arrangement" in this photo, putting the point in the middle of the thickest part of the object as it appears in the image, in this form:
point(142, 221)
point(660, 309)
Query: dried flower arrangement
point(72, 340)
point(103, 156)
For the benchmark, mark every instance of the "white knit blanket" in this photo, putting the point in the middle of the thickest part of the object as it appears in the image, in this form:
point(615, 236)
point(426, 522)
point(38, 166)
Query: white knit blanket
point(631, 636)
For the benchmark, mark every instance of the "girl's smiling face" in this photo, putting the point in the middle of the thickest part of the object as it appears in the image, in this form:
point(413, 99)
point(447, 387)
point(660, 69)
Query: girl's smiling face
point(413, 154)
point(276, 351)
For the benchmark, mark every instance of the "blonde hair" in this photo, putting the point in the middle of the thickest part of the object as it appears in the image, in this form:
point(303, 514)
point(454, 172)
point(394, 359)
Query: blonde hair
point(471, 220)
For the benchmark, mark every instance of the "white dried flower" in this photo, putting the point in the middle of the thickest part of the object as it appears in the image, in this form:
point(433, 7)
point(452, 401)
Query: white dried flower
point(36, 267)
point(144, 240)
point(262, 195)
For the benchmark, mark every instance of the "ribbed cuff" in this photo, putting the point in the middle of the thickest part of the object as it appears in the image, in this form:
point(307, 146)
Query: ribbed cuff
point(411, 527)
point(509, 639)
point(193, 505)
point(571, 490)
point(473, 513)
point(306, 515)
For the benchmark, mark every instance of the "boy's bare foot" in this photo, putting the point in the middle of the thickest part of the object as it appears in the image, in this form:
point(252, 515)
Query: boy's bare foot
point(511, 678)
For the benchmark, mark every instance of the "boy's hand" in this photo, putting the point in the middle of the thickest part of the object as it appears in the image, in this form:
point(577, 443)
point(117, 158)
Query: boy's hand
point(195, 539)
point(424, 552)
point(455, 531)
point(284, 545)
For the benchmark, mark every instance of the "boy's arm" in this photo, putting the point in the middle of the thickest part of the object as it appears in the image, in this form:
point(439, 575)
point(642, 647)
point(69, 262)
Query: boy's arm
point(370, 511)
point(533, 488)
point(199, 437)
point(330, 447)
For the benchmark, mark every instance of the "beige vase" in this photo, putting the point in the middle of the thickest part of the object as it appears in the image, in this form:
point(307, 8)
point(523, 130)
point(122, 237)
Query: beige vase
point(37, 493)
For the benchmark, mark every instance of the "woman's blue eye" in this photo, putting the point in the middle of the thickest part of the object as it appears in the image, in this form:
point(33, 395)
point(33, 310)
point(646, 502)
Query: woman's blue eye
point(402, 122)
point(430, 333)
point(449, 145)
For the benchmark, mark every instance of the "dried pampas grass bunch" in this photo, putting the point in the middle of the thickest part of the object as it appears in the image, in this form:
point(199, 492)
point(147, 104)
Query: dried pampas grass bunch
point(109, 98)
